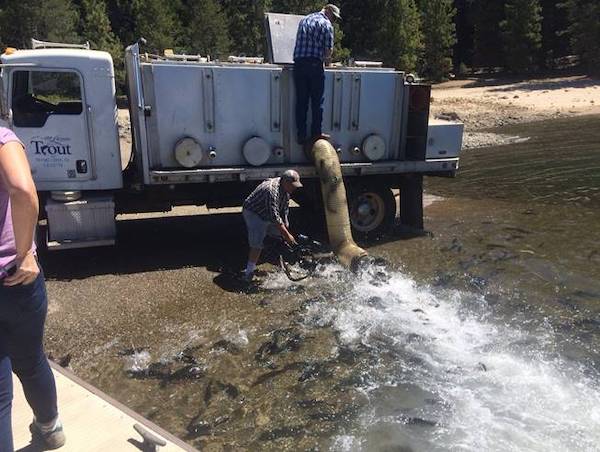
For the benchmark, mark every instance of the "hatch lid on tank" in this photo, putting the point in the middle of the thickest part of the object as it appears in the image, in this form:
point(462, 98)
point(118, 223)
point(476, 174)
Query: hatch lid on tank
point(281, 36)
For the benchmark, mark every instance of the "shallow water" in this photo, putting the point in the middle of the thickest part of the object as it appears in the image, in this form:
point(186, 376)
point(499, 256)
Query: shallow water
point(457, 375)
point(484, 334)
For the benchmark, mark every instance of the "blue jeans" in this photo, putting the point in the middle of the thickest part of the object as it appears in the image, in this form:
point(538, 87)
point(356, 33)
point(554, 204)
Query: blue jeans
point(309, 78)
point(22, 316)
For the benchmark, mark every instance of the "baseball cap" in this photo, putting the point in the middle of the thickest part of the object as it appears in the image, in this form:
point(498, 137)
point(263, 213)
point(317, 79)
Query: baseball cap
point(293, 177)
point(334, 10)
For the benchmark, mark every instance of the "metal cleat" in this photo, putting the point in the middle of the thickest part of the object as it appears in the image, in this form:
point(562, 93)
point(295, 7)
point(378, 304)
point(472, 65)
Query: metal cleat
point(151, 442)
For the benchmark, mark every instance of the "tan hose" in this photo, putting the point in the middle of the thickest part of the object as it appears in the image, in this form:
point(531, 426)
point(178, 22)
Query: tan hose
point(336, 205)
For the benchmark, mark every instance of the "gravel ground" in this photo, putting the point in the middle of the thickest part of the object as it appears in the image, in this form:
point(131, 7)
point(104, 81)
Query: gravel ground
point(484, 104)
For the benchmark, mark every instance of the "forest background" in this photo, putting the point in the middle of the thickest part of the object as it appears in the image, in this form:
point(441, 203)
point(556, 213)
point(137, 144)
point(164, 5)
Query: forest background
point(436, 38)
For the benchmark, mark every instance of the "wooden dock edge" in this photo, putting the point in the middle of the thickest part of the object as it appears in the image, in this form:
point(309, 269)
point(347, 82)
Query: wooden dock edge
point(128, 411)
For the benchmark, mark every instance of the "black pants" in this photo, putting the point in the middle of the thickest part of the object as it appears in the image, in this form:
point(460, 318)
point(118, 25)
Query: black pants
point(309, 77)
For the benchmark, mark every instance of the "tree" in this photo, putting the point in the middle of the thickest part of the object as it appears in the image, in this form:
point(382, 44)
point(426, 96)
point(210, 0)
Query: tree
point(554, 23)
point(302, 7)
point(400, 40)
point(522, 34)
point(122, 19)
point(48, 20)
point(205, 29)
point(154, 20)
point(465, 29)
point(95, 27)
point(246, 25)
point(439, 34)
point(584, 31)
point(362, 25)
point(386, 30)
point(488, 50)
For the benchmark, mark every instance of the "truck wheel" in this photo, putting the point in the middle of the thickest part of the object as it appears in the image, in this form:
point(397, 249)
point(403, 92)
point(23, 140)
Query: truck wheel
point(372, 211)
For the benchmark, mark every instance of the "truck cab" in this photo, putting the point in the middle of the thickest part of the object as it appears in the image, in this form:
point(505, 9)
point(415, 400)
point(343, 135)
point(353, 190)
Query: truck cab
point(61, 103)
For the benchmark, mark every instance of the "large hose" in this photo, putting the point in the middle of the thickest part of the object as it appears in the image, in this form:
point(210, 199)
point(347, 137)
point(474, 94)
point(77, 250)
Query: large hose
point(328, 167)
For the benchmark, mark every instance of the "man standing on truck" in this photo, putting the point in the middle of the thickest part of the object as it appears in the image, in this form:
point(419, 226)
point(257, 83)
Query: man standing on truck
point(265, 212)
point(314, 48)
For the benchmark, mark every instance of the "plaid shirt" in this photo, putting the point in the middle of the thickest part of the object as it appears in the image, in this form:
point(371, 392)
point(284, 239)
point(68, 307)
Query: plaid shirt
point(269, 201)
point(315, 34)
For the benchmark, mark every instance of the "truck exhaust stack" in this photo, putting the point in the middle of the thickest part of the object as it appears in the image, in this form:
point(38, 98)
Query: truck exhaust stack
point(337, 217)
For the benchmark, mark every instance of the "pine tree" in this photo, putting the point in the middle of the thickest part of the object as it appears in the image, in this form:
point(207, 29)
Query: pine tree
point(554, 22)
point(246, 25)
point(488, 50)
point(584, 31)
point(48, 20)
point(205, 30)
point(95, 28)
point(362, 26)
point(155, 21)
point(522, 34)
point(465, 29)
point(400, 41)
point(121, 15)
point(439, 34)
point(302, 7)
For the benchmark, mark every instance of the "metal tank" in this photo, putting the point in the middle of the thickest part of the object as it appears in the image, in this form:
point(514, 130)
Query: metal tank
point(243, 114)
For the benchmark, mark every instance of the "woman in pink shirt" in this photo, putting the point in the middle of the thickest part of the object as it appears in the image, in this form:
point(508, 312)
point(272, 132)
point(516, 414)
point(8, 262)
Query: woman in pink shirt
point(23, 302)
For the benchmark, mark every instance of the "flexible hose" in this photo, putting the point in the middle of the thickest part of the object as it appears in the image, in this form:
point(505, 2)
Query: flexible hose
point(328, 167)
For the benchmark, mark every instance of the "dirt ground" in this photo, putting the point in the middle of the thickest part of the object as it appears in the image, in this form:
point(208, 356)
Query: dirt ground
point(488, 103)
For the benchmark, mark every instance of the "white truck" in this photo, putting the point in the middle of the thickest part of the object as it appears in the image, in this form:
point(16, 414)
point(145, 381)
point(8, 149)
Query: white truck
point(206, 132)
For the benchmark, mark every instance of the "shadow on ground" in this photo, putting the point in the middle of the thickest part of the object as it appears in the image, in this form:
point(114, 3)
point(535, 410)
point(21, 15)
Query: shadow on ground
point(524, 84)
point(216, 242)
point(143, 245)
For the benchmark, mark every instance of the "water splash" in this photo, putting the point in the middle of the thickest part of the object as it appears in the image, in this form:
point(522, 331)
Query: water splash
point(137, 362)
point(460, 377)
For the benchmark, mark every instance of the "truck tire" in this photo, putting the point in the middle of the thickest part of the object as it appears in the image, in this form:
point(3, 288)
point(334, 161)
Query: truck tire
point(372, 210)
point(41, 239)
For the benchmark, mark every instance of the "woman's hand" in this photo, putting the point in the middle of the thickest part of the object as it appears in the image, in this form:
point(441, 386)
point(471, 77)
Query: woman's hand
point(27, 271)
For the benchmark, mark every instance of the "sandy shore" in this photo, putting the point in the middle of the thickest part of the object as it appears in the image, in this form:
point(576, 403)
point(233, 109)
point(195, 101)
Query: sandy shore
point(489, 103)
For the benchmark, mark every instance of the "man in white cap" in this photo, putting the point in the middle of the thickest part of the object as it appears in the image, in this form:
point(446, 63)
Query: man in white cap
point(265, 212)
point(314, 48)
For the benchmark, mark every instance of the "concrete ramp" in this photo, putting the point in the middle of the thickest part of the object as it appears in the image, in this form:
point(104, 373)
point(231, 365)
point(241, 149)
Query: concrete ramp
point(93, 421)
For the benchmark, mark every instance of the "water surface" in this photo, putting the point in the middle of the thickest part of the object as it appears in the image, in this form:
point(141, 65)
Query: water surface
point(483, 335)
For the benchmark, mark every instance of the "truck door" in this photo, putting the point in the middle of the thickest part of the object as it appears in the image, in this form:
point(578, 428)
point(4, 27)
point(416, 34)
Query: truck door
point(49, 116)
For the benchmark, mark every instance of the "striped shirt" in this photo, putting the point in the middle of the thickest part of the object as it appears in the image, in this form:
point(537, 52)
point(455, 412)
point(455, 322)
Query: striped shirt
point(315, 34)
point(269, 201)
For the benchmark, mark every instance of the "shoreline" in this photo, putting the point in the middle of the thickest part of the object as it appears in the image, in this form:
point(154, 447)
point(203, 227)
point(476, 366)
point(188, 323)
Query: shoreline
point(488, 103)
